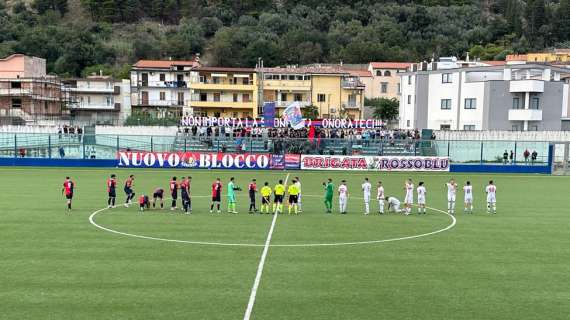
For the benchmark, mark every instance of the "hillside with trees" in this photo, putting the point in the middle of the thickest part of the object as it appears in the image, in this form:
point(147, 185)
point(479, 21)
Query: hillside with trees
point(78, 37)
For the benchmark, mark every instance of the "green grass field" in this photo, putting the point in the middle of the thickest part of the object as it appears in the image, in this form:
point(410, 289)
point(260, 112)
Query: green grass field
point(55, 265)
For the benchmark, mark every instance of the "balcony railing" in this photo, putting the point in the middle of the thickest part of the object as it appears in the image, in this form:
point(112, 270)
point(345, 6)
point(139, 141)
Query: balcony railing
point(160, 103)
point(353, 84)
point(163, 84)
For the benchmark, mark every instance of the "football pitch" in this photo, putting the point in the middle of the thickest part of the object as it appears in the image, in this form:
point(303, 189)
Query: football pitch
point(97, 263)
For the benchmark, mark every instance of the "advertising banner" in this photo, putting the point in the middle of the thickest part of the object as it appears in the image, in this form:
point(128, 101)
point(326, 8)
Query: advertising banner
point(374, 163)
point(194, 160)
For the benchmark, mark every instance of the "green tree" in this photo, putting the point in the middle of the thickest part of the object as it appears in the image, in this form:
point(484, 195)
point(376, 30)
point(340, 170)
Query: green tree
point(535, 17)
point(562, 21)
point(383, 108)
point(56, 5)
point(310, 112)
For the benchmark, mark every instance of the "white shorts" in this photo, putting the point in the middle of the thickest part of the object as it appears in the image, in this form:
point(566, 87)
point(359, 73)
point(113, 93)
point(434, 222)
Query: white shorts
point(342, 199)
point(395, 208)
point(366, 198)
point(421, 200)
point(451, 197)
point(409, 199)
point(491, 199)
point(468, 199)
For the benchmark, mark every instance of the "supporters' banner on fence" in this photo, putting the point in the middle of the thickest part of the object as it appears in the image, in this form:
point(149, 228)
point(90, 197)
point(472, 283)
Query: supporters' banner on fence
point(277, 162)
point(194, 160)
point(292, 161)
point(374, 163)
point(268, 113)
point(268, 121)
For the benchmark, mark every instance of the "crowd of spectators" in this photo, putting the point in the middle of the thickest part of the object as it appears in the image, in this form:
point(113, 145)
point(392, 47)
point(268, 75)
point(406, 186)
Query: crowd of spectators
point(70, 131)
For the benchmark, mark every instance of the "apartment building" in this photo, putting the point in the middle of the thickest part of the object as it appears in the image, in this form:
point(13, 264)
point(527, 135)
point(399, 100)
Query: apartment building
point(99, 99)
point(561, 56)
point(224, 92)
point(334, 91)
point(27, 93)
point(386, 79)
point(504, 97)
point(162, 87)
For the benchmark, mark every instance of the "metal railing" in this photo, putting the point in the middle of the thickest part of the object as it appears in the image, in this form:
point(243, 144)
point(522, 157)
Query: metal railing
point(106, 147)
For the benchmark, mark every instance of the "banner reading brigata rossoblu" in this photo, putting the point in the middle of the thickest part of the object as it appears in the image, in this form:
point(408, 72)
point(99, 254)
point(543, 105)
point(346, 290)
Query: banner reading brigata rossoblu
point(193, 160)
point(374, 163)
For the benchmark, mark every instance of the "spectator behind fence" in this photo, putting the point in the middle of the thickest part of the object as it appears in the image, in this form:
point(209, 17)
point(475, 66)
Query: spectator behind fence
point(512, 157)
point(533, 156)
point(526, 154)
point(505, 157)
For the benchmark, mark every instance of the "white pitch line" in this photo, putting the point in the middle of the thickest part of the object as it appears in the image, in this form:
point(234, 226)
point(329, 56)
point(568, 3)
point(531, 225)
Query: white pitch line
point(257, 280)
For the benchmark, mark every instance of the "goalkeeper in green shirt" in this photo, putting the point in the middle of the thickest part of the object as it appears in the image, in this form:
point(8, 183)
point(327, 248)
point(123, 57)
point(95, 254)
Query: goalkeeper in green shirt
point(329, 191)
point(232, 187)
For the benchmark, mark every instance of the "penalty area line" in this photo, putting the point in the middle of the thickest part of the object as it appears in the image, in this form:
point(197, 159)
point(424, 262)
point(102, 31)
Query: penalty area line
point(257, 280)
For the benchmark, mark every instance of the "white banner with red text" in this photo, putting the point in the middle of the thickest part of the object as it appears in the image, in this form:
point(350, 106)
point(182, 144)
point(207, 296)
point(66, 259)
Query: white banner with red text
point(374, 163)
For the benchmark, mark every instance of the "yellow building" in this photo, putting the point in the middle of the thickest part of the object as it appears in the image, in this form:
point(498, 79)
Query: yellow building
point(333, 91)
point(224, 92)
point(556, 56)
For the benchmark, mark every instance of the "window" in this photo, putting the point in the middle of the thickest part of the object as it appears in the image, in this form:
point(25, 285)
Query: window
point(533, 128)
point(235, 97)
point(399, 88)
point(307, 77)
point(283, 97)
point(384, 87)
point(16, 103)
point(535, 103)
point(516, 103)
point(15, 85)
point(234, 114)
point(217, 114)
point(445, 127)
point(88, 99)
point(298, 77)
point(245, 97)
point(202, 79)
point(162, 77)
point(162, 96)
point(216, 80)
point(470, 103)
point(216, 96)
point(181, 98)
point(291, 77)
point(445, 104)
point(387, 73)
point(321, 97)
point(109, 101)
point(46, 106)
point(298, 97)
point(409, 99)
point(379, 73)
point(446, 78)
point(515, 127)
point(469, 127)
point(203, 97)
point(245, 81)
point(408, 123)
point(409, 79)
point(283, 77)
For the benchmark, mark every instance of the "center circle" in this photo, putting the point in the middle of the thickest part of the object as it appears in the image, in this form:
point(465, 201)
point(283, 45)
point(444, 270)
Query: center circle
point(452, 223)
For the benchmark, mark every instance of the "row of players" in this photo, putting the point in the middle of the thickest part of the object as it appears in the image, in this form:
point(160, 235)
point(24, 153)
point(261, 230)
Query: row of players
point(295, 196)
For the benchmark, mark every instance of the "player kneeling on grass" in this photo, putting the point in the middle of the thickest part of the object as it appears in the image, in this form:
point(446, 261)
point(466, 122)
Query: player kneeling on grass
point(144, 202)
point(491, 190)
point(279, 191)
point(468, 196)
point(265, 197)
point(293, 197)
point(393, 204)
point(67, 190)
point(158, 194)
point(421, 198)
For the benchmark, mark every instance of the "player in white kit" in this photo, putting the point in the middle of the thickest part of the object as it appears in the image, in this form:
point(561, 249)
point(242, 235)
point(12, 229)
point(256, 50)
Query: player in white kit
point(366, 188)
point(380, 196)
point(409, 199)
point(298, 184)
point(393, 204)
point(491, 190)
point(468, 196)
point(451, 191)
point(421, 198)
point(342, 196)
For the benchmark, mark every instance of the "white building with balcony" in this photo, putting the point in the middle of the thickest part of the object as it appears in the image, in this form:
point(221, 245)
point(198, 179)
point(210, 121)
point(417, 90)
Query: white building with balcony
point(504, 97)
point(162, 87)
point(98, 99)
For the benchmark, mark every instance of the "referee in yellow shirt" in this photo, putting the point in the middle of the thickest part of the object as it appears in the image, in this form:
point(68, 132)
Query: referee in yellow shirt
point(279, 191)
point(265, 197)
point(293, 191)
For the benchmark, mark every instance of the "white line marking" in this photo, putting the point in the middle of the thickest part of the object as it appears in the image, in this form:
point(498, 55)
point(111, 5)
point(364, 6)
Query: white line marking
point(257, 280)
point(453, 223)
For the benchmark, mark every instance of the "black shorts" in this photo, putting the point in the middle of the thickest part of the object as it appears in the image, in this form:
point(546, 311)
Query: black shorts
point(216, 198)
point(252, 197)
point(265, 200)
point(128, 190)
point(174, 195)
point(157, 195)
point(69, 196)
point(278, 198)
point(112, 194)
point(293, 198)
point(185, 196)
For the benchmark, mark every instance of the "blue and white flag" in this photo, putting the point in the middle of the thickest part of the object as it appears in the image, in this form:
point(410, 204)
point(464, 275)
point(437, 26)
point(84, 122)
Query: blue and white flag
point(293, 115)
